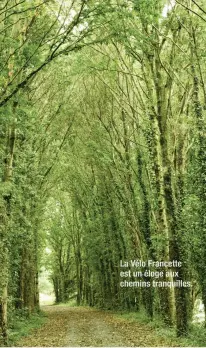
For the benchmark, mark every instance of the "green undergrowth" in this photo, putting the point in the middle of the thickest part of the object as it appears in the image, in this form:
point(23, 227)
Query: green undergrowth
point(22, 324)
point(195, 338)
point(71, 303)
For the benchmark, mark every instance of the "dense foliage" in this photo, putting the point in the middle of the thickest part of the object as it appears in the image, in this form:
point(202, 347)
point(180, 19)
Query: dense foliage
point(103, 151)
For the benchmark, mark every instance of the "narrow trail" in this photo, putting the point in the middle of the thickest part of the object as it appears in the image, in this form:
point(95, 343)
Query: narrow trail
point(83, 327)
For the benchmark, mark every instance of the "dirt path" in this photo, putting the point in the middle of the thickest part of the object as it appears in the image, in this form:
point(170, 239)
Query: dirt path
point(83, 327)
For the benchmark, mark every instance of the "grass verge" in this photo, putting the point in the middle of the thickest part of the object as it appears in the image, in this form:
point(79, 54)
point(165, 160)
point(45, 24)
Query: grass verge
point(195, 338)
point(22, 325)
